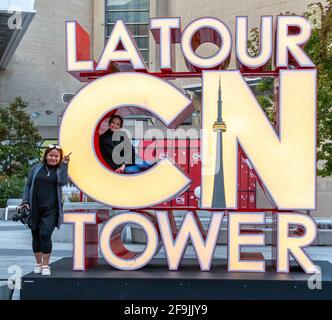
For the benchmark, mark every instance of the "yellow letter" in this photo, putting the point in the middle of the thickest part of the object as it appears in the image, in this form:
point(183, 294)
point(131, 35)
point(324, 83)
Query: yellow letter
point(204, 248)
point(120, 34)
point(293, 245)
point(215, 31)
point(285, 163)
point(236, 240)
point(79, 220)
point(166, 26)
point(292, 43)
point(71, 41)
point(265, 43)
point(79, 124)
point(140, 259)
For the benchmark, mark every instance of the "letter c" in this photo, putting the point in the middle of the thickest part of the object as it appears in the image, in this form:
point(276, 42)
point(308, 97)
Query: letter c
point(77, 131)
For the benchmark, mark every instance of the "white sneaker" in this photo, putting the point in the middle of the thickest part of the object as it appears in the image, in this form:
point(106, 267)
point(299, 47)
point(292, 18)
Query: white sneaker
point(45, 271)
point(37, 268)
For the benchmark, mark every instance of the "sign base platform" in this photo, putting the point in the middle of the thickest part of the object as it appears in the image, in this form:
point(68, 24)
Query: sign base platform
point(155, 281)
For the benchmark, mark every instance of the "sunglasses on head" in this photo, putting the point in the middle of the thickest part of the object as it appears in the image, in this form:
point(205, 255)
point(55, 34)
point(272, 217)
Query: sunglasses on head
point(54, 146)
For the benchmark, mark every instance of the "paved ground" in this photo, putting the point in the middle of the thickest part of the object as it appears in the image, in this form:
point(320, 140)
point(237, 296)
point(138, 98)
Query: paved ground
point(15, 249)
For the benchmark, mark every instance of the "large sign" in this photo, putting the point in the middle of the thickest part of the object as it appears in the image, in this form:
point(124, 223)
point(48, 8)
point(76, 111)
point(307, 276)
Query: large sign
point(284, 159)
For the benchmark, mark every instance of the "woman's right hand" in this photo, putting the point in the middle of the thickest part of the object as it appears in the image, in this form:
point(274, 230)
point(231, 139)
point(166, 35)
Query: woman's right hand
point(66, 158)
point(25, 205)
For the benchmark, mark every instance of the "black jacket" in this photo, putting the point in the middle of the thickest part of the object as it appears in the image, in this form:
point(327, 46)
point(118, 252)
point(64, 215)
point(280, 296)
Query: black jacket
point(62, 174)
point(116, 149)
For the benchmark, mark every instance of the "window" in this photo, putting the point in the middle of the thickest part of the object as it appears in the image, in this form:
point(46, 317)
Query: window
point(135, 14)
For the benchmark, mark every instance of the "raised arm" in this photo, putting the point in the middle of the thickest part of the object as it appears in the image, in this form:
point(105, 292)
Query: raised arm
point(63, 170)
point(63, 174)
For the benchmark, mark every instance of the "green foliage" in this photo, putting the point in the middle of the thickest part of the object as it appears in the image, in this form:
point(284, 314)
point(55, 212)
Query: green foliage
point(319, 49)
point(267, 105)
point(11, 187)
point(264, 89)
point(253, 42)
point(19, 149)
point(74, 197)
point(19, 140)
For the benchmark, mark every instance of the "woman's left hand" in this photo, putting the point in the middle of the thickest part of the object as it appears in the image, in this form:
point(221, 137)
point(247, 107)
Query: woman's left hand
point(121, 169)
point(66, 159)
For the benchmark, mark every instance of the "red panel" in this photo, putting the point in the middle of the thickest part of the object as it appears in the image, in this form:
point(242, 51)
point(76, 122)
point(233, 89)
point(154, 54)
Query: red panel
point(120, 67)
point(164, 148)
point(252, 200)
point(180, 200)
point(243, 198)
point(164, 204)
point(193, 201)
point(147, 143)
point(251, 231)
point(164, 144)
point(181, 155)
point(239, 162)
point(252, 181)
point(244, 174)
point(91, 245)
point(254, 256)
point(194, 166)
point(146, 150)
point(82, 44)
point(160, 154)
point(246, 183)
point(181, 144)
point(82, 50)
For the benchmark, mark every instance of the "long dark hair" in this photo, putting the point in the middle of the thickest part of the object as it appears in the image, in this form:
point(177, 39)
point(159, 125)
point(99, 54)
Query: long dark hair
point(48, 149)
point(114, 117)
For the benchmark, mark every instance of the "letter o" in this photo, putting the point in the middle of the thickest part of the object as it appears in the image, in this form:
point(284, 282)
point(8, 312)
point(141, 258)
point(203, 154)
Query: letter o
point(111, 232)
point(209, 30)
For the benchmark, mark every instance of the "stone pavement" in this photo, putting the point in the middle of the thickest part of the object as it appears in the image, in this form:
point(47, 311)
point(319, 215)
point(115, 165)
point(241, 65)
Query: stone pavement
point(15, 249)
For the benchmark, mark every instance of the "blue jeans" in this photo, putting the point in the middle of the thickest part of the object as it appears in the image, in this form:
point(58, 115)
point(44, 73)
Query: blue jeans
point(139, 166)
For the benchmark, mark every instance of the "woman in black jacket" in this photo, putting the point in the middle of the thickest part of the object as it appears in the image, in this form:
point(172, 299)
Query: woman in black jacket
point(117, 149)
point(43, 196)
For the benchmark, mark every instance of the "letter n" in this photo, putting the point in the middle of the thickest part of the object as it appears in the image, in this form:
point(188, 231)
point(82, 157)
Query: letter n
point(285, 161)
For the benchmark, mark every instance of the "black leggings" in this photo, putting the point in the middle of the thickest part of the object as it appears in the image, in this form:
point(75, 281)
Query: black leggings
point(42, 240)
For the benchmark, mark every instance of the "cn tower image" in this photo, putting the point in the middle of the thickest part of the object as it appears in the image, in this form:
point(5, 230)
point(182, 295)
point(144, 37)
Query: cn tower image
point(218, 199)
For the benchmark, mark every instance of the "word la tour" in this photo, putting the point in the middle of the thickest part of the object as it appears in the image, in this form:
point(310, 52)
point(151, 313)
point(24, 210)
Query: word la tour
point(290, 34)
point(161, 230)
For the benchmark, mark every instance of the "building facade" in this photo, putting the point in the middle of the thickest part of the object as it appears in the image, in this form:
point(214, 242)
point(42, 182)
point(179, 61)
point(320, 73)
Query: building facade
point(37, 69)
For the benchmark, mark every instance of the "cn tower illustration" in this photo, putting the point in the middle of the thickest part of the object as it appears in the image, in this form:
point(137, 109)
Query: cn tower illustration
point(218, 199)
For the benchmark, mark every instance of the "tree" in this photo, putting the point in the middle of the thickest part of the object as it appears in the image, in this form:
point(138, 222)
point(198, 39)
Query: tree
point(264, 89)
point(19, 149)
point(319, 49)
point(19, 139)
point(11, 187)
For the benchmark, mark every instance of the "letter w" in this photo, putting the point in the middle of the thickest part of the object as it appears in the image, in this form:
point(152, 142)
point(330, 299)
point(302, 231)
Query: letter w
point(191, 228)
